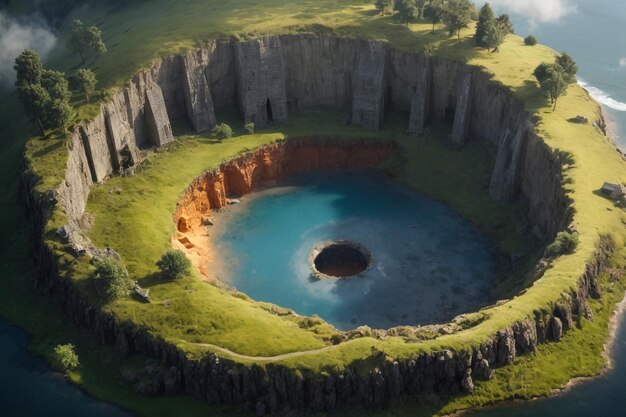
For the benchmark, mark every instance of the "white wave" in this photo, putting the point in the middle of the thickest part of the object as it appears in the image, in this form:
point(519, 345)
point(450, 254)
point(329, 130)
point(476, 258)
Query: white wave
point(602, 97)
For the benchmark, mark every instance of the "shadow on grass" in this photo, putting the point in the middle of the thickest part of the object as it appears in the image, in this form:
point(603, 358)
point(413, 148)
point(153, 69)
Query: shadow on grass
point(47, 149)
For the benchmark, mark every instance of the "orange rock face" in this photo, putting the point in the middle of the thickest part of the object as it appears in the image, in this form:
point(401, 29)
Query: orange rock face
point(243, 174)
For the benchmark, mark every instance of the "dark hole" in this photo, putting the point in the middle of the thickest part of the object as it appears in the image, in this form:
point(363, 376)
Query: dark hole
point(270, 116)
point(449, 118)
point(341, 260)
point(126, 158)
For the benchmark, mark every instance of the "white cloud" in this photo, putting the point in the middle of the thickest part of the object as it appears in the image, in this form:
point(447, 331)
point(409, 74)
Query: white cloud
point(15, 36)
point(622, 63)
point(536, 11)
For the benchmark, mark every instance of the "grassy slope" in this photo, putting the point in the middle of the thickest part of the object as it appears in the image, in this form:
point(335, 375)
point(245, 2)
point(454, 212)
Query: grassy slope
point(512, 66)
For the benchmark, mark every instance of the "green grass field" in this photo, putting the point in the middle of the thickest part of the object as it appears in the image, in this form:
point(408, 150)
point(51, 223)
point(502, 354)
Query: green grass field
point(135, 37)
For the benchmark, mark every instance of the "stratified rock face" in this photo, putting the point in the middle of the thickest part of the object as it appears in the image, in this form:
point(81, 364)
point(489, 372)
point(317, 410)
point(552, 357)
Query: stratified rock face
point(157, 120)
point(420, 104)
point(261, 80)
point(96, 147)
point(197, 94)
point(368, 101)
point(123, 147)
point(462, 116)
point(505, 178)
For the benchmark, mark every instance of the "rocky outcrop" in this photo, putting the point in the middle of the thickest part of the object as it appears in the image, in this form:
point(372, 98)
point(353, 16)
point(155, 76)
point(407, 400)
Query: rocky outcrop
point(505, 178)
point(261, 80)
point(368, 100)
point(462, 114)
point(420, 104)
point(157, 120)
point(197, 94)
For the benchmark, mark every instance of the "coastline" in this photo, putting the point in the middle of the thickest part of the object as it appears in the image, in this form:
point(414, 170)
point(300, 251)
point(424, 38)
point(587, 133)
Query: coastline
point(618, 318)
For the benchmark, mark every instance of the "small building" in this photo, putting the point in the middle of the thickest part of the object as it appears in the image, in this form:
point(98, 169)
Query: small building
point(613, 191)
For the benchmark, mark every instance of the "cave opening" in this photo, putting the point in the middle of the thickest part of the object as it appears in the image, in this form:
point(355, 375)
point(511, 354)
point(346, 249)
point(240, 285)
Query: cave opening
point(270, 115)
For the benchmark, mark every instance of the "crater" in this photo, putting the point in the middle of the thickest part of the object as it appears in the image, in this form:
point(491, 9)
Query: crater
point(339, 259)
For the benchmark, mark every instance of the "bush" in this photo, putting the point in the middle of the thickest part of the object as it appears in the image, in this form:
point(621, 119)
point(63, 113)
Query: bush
point(223, 131)
point(65, 357)
point(174, 264)
point(249, 127)
point(530, 40)
point(114, 276)
point(564, 243)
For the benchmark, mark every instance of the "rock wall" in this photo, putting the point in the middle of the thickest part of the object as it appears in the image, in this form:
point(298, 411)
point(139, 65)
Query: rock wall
point(361, 78)
point(305, 71)
point(269, 163)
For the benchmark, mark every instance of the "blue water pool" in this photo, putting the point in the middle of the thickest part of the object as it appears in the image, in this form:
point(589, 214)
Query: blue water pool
point(428, 264)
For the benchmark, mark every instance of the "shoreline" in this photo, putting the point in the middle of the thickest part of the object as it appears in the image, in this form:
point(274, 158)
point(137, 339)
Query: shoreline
point(618, 319)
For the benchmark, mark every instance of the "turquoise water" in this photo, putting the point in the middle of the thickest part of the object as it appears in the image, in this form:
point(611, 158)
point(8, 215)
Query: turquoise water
point(429, 265)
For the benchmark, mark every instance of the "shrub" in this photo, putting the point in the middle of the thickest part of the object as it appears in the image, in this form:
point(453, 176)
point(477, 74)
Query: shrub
point(174, 264)
point(112, 273)
point(530, 40)
point(564, 243)
point(249, 127)
point(65, 357)
point(223, 131)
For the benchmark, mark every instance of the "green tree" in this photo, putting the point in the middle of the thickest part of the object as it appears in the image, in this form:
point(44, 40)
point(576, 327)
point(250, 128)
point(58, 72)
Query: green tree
point(249, 127)
point(434, 11)
point(28, 68)
point(59, 114)
point(86, 81)
point(35, 99)
point(554, 83)
point(564, 243)
point(530, 40)
point(541, 72)
point(486, 22)
point(112, 274)
point(65, 357)
point(382, 5)
point(56, 85)
point(505, 24)
point(223, 131)
point(407, 10)
point(86, 41)
point(568, 67)
point(458, 15)
point(175, 264)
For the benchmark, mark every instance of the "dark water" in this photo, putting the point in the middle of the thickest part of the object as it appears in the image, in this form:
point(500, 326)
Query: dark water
point(428, 264)
point(28, 387)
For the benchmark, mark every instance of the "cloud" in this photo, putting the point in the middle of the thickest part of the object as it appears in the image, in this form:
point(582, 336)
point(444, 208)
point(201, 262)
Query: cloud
point(622, 63)
point(536, 11)
point(15, 36)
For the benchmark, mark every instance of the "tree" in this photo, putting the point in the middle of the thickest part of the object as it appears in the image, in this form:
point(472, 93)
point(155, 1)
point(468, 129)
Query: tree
point(568, 67)
point(86, 41)
point(434, 11)
point(407, 10)
point(28, 68)
point(541, 72)
point(505, 24)
point(174, 264)
point(58, 114)
point(113, 275)
point(65, 357)
point(56, 85)
point(223, 131)
point(564, 243)
point(86, 81)
point(382, 5)
point(486, 21)
point(249, 127)
point(530, 40)
point(554, 83)
point(35, 99)
point(458, 15)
